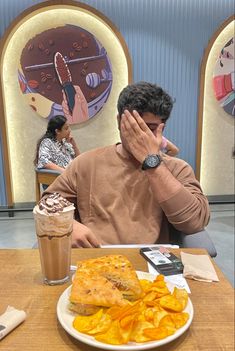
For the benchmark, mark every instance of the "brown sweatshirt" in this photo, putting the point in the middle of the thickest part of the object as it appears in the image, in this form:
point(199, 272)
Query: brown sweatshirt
point(114, 198)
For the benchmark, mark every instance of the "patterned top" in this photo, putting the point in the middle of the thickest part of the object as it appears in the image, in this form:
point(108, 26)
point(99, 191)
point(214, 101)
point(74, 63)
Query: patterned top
point(52, 151)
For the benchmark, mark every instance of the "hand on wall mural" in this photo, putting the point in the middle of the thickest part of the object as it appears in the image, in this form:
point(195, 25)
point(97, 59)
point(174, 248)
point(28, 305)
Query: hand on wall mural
point(80, 110)
point(223, 78)
point(61, 57)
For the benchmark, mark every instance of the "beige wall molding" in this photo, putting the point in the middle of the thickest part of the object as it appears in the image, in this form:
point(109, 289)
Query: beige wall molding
point(21, 127)
point(214, 162)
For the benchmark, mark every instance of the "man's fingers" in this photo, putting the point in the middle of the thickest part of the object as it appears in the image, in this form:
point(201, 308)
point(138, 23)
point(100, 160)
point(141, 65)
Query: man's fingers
point(75, 244)
point(92, 240)
point(87, 241)
point(136, 122)
point(140, 121)
point(130, 123)
point(86, 244)
point(160, 129)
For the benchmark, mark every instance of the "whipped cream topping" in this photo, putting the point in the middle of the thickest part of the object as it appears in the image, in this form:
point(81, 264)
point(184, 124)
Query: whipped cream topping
point(54, 204)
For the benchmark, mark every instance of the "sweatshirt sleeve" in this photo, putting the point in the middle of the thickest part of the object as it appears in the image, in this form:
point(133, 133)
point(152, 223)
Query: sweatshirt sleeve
point(66, 183)
point(188, 209)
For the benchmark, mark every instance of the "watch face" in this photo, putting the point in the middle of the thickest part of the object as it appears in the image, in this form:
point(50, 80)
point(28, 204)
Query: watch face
point(152, 161)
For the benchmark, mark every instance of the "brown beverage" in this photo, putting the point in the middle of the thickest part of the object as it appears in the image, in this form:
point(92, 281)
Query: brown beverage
point(54, 222)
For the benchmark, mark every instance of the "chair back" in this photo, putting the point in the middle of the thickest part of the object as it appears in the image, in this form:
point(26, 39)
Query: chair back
point(44, 177)
point(200, 240)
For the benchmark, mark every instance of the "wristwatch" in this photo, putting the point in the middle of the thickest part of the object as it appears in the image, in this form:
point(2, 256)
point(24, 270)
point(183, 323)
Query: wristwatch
point(151, 161)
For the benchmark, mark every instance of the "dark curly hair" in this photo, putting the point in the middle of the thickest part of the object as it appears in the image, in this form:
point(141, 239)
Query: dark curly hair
point(54, 123)
point(145, 97)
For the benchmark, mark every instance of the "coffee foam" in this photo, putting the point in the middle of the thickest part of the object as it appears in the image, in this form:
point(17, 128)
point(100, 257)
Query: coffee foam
point(53, 204)
point(53, 216)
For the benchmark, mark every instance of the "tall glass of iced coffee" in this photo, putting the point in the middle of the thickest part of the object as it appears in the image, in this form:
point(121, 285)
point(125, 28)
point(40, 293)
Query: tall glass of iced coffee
point(54, 223)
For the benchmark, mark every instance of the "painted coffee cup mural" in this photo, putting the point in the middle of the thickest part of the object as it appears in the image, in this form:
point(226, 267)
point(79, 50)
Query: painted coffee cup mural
point(65, 70)
point(224, 78)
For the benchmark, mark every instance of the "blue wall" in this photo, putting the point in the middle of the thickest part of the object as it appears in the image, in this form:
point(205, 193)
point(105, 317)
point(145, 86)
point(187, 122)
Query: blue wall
point(166, 40)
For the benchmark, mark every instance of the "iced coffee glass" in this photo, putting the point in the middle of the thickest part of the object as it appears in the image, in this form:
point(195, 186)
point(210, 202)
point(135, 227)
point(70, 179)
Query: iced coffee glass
point(54, 223)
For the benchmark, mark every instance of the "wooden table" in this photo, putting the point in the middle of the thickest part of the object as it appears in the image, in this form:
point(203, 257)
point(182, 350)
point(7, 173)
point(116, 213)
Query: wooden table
point(21, 286)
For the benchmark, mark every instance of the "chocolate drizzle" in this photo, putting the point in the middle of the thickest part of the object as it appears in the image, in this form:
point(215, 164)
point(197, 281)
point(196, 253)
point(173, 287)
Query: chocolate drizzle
point(53, 236)
point(53, 203)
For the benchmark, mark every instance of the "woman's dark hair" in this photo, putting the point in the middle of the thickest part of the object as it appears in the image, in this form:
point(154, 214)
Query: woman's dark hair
point(145, 97)
point(54, 123)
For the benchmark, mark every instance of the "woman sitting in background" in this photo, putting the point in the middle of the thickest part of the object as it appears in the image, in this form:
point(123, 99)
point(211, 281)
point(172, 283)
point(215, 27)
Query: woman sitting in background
point(56, 148)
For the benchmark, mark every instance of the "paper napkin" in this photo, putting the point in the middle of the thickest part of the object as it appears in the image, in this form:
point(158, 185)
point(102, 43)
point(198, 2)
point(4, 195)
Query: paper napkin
point(198, 267)
point(10, 319)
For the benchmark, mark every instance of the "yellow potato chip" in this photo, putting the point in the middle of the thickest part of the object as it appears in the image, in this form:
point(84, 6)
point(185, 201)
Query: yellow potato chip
point(137, 334)
point(145, 284)
point(181, 295)
point(150, 296)
point(156, 333)
point(128, 320)
point(114, 311)
point(179, 319)
point(126, 332)
point(159, 277)
point(170, 330)
point(121, 312)
point(112, 335)
point(159, 292)
point(158, 315)
point(102, 326)
point(167, 322)
point(169, 302)
point(85, 323)
point(161, 284)
point(149, 314)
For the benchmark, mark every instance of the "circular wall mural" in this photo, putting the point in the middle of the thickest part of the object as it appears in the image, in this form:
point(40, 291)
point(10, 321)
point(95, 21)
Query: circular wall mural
point(224, 78)
point(65, 70)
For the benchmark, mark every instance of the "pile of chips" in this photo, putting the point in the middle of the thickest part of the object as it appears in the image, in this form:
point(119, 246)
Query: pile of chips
point(158, 314)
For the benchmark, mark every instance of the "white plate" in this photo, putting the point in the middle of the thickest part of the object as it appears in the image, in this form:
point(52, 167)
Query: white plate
point(66, 318)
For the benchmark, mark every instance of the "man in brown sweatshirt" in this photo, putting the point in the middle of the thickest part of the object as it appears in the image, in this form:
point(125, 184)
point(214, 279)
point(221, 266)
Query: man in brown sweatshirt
point(122, 192)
